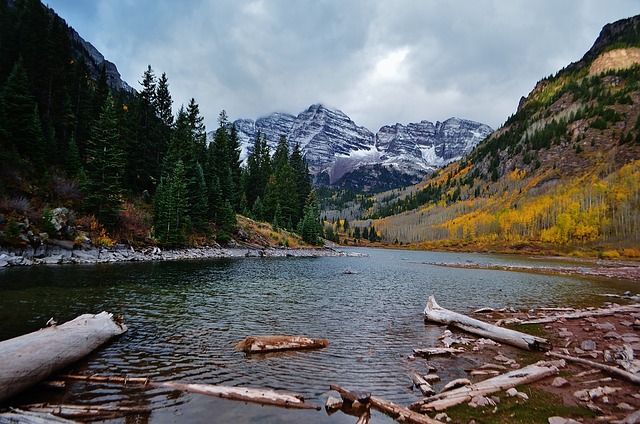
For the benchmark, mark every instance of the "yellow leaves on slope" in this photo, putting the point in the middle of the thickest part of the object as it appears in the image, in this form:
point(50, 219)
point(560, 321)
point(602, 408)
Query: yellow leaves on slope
point(576, 212)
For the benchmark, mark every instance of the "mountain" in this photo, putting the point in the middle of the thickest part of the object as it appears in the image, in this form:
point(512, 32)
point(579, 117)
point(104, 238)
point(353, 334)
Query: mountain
point(562, 173)
point(336, 147)
point(95, 60)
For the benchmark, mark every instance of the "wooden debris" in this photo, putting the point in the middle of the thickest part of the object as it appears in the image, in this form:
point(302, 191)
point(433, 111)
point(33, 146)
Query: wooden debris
point(245, 394)
point(454, 384)
point(634, 378)
point(432, 351)
point(585, 314)
point(460, 395)
point(434, 312)
point(257, 344)
point(28, 417)
point(29, 359)
point(396, 412)
point(85, 411)
point(422, 384)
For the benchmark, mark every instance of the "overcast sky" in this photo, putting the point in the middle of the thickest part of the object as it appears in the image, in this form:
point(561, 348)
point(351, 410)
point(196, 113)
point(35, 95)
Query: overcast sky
point(379, 61)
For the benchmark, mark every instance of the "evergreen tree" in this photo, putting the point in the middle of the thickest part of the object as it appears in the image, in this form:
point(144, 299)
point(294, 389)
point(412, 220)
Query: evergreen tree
point(282, 189)
point(163, 101)
point(170, 208)
point(199, 132)
point(21, 122)
point(258, 170)
point(105, 166)
point(310, 227)
point(302, 183)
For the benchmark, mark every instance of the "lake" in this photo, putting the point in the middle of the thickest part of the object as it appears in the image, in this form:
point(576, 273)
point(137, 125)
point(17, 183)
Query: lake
point(184, 318)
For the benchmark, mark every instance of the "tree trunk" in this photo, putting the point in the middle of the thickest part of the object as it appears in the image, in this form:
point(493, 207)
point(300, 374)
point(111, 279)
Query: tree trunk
point(28, 359)
point(396, 412)
point(245, 394)
point(433, 312)
point(422, 384)
point(460, 395)
point(258, 344)
point(263, 397)
point(634, 378)
point(585, 314)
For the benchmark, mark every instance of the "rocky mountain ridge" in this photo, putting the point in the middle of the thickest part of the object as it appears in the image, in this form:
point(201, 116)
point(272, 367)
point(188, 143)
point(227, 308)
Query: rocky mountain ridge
point(335, 146)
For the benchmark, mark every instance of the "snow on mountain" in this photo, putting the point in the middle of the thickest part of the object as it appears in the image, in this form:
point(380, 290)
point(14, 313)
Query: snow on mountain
point(335, 145)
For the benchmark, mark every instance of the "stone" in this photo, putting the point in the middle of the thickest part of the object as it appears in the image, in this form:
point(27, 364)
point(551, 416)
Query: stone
point(605, 326)
point(560, 382)
point(332, 404)
point(612, 335)
point(443, 417)
point(588, 345)
point(512, 392)
point(623, 406)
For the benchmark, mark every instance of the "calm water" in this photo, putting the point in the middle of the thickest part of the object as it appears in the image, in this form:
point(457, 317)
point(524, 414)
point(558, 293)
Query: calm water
point(185, 317)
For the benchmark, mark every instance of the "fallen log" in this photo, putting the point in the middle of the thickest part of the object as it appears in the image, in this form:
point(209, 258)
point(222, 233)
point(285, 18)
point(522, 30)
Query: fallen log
point(422, 384)
point(460, 395)
point(602, 312)
point(27, 417)
point(634, 378)
point(30, 358)
point(245, 394)
point(257, 344)
point(434, 351)
point(83, 412)
point(396, 412)
point(436, 313)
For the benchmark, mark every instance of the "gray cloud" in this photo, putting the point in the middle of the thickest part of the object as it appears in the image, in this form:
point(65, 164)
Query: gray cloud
point(379, 61)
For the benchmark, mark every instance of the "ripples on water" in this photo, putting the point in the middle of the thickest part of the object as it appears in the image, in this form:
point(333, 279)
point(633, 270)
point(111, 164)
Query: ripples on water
point(185, 317)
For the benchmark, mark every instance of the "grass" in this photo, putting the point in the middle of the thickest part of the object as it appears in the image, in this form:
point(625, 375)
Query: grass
point(537, 409)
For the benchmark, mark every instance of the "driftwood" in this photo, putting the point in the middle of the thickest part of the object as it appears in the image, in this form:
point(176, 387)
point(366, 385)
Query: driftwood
point(634, 378)
point(28, 417)
point(28, 359)
point(433, 351)
point(460, 395)
point(85, 411)
point(257, 344)
point(396, 412)
point(584, 314)
point(434, 312)
point(263, 397)
point(422, 384)
point(245, 394)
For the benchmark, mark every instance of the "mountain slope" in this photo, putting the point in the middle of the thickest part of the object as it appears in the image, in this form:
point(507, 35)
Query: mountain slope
point(562, 173)
point(343, 154)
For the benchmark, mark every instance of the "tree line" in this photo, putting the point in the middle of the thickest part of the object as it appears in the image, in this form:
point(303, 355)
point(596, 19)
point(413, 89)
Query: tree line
point(123, 157)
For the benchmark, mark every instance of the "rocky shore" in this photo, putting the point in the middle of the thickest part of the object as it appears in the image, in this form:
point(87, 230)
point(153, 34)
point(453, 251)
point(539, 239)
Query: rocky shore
point(64, 252)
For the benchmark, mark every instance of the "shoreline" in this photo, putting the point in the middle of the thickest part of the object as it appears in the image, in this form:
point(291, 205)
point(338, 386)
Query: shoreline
point(61, 252)
point(628, 271)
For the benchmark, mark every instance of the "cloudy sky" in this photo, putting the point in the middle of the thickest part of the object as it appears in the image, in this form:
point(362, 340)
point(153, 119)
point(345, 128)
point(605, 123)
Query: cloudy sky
point(379, 61)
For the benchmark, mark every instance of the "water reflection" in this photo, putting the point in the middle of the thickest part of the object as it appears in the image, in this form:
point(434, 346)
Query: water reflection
point(185, 317)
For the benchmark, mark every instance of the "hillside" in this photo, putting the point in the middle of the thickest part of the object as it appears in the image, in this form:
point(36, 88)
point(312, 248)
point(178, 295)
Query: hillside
point(562, 173)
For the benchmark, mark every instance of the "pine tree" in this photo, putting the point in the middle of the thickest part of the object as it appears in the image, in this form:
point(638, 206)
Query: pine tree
point(302, 182)
point(311, 228)
point(21, 122)
point(199, 132)
point(170, 208)
point(105, 166)
point(163, 101)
